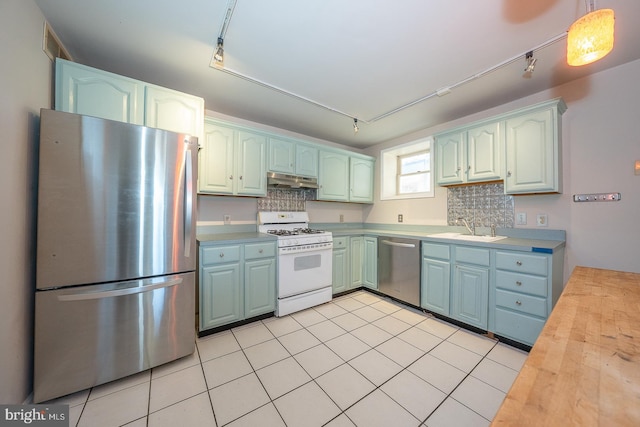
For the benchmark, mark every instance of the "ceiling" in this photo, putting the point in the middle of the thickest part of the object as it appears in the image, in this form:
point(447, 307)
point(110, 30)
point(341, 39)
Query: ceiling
point(333, 60)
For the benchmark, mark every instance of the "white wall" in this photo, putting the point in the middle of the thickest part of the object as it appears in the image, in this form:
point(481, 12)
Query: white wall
point(25, 88)
point(600, 146)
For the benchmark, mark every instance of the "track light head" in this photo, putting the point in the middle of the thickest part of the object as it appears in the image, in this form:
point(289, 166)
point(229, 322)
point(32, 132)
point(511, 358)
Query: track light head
point(531, 65)
point(355, 125)
point(218, 55)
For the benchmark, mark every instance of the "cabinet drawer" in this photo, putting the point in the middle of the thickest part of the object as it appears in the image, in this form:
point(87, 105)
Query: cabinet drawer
point(520, 302)
point(220, 254)
point(522, 262)
point(471, 255)
point(340, 242)
point(520, 327)
point(535, 285)
point(435, 250)
point(259, 250)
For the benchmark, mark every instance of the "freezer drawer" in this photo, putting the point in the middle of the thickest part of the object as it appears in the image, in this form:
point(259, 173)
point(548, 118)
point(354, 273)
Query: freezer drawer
point(89, 335)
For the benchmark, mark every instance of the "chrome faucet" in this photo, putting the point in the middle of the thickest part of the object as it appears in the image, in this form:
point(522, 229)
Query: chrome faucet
point(472, 228)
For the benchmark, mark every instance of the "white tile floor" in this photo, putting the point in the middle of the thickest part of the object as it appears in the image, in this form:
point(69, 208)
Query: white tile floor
point(359, 360)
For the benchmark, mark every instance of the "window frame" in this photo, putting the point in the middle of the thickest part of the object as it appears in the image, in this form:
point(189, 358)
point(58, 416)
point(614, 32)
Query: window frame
point(389, 166)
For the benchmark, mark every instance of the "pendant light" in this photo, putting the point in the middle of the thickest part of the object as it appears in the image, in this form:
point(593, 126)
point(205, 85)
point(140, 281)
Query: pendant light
point(590, 37)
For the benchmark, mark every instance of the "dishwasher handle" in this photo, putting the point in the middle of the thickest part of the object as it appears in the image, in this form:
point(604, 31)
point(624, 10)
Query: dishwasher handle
point(398, 244)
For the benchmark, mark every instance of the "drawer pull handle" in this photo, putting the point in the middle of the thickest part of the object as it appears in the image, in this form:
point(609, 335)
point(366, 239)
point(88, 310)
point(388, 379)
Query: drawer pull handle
point(518, 263)
point(518, 282)
point(221, 255)
point(518, 302)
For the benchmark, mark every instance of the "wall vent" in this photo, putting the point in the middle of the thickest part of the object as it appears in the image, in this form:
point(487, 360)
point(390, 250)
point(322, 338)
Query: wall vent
point(51, 44)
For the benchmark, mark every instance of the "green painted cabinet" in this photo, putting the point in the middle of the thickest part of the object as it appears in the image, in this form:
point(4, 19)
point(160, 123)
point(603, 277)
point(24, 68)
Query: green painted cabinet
point(345, 178)
point(469, 154)
point(533, 150)
point(90, 91)
point(232, 161)
point(470, 285)
point(370, 262)
point(235, 282)
point(435, 282)
point(292, 157)
point(340, 273)
point(356, 257)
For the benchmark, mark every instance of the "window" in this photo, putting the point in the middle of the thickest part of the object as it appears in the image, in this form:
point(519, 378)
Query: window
point(406, 171)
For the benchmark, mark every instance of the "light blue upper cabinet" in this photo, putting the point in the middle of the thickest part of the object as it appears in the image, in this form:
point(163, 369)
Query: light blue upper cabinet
point(174, 111)
point(450, 158)
point(84, 90)
point(282, 155)
point(484, 152)
point(361, 180)
point(533, 150)
point(306, 160)
point(251, 163)
point(333, 176)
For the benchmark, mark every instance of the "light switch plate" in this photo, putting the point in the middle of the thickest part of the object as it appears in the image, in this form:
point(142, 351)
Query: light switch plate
point(521, 218)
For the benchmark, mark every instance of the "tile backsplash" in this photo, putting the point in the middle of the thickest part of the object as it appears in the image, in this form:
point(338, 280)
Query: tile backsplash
point(286, 199)
point(481, 204)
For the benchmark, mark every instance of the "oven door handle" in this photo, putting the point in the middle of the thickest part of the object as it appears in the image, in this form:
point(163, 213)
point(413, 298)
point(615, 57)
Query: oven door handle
point(398, 244)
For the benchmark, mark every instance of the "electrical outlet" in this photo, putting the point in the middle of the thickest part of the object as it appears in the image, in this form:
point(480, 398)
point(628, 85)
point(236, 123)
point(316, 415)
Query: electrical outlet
point(227, 219)
point(341, 217)
point(542, 220)
point(400, 218)
point(521, 218)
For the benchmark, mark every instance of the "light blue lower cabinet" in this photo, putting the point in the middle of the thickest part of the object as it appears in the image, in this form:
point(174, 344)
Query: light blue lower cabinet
point(228, 292)
point(340, 273)
point(370, 263)
point(435, 285)
point(470, 295)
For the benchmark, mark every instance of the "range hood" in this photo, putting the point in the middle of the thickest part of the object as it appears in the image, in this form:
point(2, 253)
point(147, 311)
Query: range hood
point(280, 180)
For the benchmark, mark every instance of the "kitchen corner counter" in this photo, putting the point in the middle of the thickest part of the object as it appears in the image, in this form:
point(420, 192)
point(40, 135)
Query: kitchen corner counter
point(584, 368)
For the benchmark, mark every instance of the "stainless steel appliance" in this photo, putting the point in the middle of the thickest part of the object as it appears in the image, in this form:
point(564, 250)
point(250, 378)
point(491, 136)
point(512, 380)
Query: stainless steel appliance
point(304, 260)
point(399, 268)
point(116, 254)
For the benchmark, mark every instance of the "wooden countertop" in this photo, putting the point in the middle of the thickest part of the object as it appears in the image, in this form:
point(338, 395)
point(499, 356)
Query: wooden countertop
point(584, 369)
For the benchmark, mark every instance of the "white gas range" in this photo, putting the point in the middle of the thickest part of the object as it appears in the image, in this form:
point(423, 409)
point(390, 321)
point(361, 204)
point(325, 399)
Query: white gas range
point(304, 260)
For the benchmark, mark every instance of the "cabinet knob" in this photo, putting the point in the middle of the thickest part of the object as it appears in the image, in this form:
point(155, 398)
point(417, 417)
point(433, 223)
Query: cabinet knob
point(508, 173)
point(240, 176)
point(519, 283)
point(518, 263)
point(230, 176)
point(518, 302)
point(221, 255)
point(469, 167)
point(260, 251)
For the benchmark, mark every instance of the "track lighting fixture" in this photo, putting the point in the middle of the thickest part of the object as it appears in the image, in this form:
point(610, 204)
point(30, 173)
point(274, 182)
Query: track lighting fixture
point(531, 65)
point(590, 37)
point(355, 125)
point(218, 56)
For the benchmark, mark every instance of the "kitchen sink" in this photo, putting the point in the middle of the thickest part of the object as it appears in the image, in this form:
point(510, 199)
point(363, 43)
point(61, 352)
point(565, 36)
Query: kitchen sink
point(468, 237)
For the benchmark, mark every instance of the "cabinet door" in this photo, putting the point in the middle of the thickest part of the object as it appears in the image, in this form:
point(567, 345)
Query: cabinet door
point(450, 158)
point(435, 286)
point(252, 164)
point(370, 267)
point(306, 160)
point(260, 287)
point(361, 180)
point(470, 295)
point(356, 252)
point(85, 90)
point(281, 156)
point(174, 111)
point(340, 270)
point(215, 169)
point(333, 177)
point(531, 153)
point(484, 148)
point(220, 295)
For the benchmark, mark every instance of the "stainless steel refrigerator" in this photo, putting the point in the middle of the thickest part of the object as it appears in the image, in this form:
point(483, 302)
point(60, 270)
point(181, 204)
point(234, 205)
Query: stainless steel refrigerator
point(116, 251)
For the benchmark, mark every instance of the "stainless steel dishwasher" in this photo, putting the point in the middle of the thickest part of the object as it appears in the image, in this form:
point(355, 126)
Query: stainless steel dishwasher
point(399, 268)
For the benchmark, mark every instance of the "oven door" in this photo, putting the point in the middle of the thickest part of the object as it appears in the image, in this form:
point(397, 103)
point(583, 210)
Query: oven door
point(300, 272)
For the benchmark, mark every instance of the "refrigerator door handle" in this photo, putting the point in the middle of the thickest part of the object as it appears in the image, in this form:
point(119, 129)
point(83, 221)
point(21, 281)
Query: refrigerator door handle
point(91, 295)
point(401, 245)
point(188, 202)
